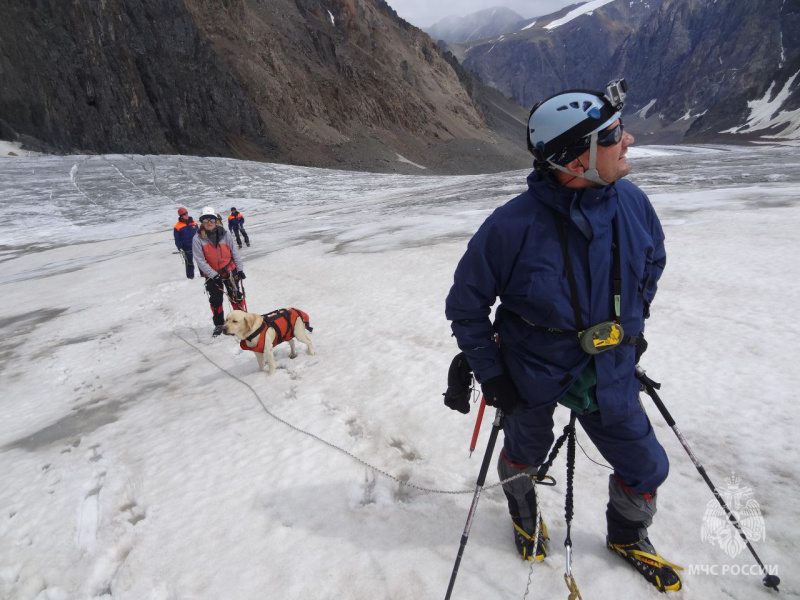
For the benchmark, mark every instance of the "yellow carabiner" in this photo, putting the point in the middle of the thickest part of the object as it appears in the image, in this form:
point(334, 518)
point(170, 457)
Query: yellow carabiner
point(574, 593)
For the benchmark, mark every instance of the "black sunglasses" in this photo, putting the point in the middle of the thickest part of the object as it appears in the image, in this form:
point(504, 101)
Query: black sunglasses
point(207, 219)
point(610, 137)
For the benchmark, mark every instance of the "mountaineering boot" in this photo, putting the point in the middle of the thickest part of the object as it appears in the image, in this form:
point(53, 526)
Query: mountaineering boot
point(524, 542)
point(248, 244)
point(217, 330)
point(521, 496)
point(649, 563)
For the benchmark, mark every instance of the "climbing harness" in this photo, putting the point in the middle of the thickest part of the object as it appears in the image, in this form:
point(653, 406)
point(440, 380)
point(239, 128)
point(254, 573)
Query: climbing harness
point(604, 336)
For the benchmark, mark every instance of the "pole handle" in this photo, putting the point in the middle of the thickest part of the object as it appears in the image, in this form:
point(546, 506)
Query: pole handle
point(650, 387)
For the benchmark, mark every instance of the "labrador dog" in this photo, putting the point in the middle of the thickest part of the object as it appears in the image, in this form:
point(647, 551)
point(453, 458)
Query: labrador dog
point(261, 333)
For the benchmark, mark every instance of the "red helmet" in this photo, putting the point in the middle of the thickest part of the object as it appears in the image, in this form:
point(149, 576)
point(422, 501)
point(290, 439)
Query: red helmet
point(182, 211)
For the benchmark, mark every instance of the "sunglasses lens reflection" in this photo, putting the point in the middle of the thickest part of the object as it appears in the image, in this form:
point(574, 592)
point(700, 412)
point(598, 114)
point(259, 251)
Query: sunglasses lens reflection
point(610, 137)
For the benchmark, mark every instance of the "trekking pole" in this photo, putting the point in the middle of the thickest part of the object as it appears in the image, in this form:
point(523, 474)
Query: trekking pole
point(477, 426)
point(487, 458)
point(650, 386)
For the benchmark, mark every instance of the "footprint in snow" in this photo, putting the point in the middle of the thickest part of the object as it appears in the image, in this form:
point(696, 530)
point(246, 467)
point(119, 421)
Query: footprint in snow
point(132, 512)
point(405, 450)
point(89, 512)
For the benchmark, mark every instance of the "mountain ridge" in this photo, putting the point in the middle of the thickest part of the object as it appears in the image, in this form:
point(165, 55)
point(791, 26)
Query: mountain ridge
point(345, 84)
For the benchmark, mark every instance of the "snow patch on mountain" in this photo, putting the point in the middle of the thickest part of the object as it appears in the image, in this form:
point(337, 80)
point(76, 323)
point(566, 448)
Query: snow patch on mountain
point(766, 114)
point(643, 111)
point(14, 149)
point(573, 14)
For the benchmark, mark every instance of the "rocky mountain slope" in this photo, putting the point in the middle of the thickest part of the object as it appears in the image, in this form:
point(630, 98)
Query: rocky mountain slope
point(549, 54)
point(727, 70)
point(340, 83)
point(704, 71)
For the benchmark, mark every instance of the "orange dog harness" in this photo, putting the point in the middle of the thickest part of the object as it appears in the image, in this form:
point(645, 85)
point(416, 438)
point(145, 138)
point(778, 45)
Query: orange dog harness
point(282, 321)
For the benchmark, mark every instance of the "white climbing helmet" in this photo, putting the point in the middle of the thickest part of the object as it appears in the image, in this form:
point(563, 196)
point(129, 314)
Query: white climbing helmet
point(208, 213)
point(565, 125)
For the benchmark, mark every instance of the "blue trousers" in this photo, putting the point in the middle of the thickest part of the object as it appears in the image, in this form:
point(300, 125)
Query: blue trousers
point(189, 259)
point(630, 447)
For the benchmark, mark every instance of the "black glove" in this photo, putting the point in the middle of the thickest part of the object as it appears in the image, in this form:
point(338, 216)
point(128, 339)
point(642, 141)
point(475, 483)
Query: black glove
point(217, 279)
point(240, 274)
point(641, 347)
point(501, 393)
point(459, 384)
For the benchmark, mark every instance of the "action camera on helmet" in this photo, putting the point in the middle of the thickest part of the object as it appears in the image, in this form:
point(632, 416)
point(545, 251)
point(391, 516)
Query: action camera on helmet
point(616, 91)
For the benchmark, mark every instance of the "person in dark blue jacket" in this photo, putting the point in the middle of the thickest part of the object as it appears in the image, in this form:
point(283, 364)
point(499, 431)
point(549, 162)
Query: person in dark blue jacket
point(183, 232)
point(581, 250)
point(236, 226)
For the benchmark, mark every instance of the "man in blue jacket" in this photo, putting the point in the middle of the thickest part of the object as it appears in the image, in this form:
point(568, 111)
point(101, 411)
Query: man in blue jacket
point(236, 225)
point(183, 232)
point(580, 252)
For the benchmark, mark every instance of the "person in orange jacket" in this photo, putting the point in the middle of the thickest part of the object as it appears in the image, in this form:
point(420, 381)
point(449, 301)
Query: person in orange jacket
point(236, 224)
point(220, 263)
point(184, 232)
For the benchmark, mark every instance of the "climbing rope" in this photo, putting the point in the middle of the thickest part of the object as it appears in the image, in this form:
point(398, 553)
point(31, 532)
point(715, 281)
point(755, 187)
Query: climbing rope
point(331, 444)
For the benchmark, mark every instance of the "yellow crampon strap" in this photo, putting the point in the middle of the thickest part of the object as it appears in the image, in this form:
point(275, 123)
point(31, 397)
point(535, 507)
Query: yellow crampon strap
point(574, 593)
point(651, 559)
point(537, 557)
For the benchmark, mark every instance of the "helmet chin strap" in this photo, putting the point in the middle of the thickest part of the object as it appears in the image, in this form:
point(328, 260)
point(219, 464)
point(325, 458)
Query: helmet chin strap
point(591, 173)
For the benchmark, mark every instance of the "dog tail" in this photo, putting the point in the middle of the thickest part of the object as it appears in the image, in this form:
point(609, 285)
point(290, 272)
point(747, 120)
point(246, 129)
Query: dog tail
point(304, 318)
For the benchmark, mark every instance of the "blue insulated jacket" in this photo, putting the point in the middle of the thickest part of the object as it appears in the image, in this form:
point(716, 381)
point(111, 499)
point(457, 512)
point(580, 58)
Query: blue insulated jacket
point(235, 221)
point(183, 234)
point(516, 255)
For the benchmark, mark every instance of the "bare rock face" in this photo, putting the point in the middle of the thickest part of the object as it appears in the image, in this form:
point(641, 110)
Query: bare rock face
point(700, 63)
point(342, 83)
point(698, 71)
point(542, 59)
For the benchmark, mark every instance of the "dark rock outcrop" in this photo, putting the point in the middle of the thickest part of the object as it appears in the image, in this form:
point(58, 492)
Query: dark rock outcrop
point(702, 62)
point(344, 83)
point(699, 71)
point(536, 62)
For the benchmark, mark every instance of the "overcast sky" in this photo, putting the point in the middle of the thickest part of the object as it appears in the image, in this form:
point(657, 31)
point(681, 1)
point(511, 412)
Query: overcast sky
point(424, 13)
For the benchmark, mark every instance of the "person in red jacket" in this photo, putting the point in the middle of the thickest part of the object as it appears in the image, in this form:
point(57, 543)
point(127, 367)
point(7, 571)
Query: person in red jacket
point(183, 232)
point(220, 263)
